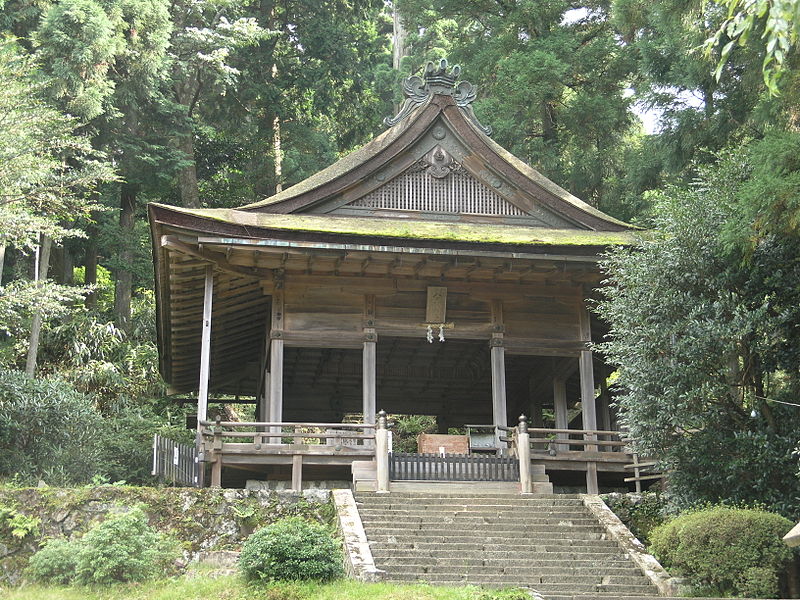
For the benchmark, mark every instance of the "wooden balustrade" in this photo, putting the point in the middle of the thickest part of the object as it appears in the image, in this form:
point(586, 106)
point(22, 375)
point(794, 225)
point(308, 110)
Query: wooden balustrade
point(282, 440)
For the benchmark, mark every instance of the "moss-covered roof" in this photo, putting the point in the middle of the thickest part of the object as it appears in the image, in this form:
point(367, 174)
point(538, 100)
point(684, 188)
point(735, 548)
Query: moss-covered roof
point(407, 229)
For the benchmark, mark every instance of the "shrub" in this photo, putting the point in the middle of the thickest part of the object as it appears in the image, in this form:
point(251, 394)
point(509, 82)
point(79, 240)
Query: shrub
point(641, 512)
point(120, 549)
point(48, 430)
point(726, 551)
point(291, 549)
point(55, 563)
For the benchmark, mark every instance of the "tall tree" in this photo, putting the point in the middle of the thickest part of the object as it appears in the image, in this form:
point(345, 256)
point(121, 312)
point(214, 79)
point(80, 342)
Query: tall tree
point(703, 322)
point(47, 174)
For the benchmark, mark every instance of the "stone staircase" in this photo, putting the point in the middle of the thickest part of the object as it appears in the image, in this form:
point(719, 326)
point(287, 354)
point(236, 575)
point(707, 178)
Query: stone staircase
point(551, 544)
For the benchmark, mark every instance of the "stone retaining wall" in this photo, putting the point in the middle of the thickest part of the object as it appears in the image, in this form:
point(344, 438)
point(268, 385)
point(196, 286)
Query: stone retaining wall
point(201, 519)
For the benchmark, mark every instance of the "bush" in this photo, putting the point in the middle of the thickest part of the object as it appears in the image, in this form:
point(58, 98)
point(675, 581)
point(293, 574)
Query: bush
point(55, 563)
point(726, 551)
point(291, 549)
point(120, 549)
point(48, 430)
point(641, 512)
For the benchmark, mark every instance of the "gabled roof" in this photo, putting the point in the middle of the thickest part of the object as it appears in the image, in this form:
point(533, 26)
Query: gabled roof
point(437, 118)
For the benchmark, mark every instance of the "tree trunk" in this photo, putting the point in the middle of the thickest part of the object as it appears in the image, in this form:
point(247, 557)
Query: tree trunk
point(278, 153)
point(187, 176)
point(399, 37)
point(90, 269)
point(124, 276)
point(36, 325)
point(2, 261)
point(62, 265)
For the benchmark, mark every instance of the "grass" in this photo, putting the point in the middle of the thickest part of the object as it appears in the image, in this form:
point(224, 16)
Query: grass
point(232, 587)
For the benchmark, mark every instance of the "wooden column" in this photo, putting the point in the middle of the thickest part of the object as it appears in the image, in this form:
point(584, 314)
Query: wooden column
point(588, 409)
point(205, 363)
point(603, 408)
point(535, 398)
point(560, 407)
point(498, 359)
point(369, 385)
point(276, 358)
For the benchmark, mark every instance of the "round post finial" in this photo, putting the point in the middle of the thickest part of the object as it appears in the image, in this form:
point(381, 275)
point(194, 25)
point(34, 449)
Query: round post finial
point(382, 419)
point(523, 424)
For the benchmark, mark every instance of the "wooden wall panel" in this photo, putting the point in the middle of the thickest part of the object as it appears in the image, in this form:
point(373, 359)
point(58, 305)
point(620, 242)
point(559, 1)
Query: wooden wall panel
point(323, 310)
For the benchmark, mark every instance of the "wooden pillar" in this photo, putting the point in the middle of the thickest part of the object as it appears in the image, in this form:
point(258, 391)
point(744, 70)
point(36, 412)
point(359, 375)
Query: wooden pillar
point(263, 400)
point(297, 473)
point(603, 408)
point(588, 409)
point(369, 381)
point(205, 364)
point(276, 359)
point(498, 360)
point(560, 407)
point(535, 398)
point(216, 464)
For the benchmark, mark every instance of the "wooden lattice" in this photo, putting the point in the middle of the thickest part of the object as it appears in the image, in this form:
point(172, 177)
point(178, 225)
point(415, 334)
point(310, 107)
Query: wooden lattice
point(459, 192)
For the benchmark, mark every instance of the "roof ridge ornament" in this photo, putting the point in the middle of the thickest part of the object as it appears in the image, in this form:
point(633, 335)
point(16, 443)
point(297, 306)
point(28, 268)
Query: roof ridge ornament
point(437, 79)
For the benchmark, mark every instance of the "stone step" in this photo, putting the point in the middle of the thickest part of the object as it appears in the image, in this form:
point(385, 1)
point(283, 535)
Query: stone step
point(432, 498)
point(466, 511)
point(484, 522)
point(546, 589)
point(509, 535)
point(606, 547)
point(563, 569)
point(532, 577)
point(462, 503)
point(543, 559)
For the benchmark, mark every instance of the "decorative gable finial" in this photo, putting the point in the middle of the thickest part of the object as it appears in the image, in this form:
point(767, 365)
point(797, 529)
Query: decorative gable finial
point(438, 80)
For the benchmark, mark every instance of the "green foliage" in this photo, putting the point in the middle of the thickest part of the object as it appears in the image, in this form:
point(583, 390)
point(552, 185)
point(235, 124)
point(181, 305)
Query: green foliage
point(701, 337)
point(121, 548)
point(291, 549)
point(552, 86)
point(726, 551)
point(48, 430)
point(47, 169)
point(406, 428)
point(18, 524)
point(775, 21)
point(55, 563)
point(641, 512)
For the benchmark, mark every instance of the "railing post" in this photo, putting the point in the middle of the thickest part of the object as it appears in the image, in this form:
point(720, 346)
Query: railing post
point(382, 453)
point(523, 440)
point(216, 466)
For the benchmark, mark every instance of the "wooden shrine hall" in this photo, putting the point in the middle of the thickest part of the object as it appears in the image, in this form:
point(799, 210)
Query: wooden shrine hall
point(429, 272)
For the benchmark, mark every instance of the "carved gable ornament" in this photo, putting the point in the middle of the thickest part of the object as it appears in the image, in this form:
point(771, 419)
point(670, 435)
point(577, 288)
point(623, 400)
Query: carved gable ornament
point(437, 79)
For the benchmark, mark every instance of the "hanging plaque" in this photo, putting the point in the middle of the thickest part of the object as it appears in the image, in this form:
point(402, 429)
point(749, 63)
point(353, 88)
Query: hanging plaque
point(436, 307)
